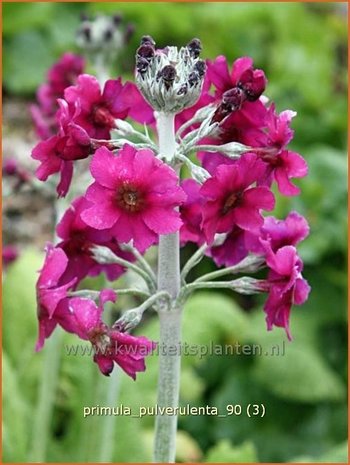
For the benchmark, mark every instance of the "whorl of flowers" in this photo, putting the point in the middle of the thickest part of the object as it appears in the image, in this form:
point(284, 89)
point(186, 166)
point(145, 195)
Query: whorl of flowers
point(134, 197)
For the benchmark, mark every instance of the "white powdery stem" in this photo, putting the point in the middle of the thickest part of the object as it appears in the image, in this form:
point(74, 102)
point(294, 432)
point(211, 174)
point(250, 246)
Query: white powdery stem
point(166, 135)
point(168, 385)
point(170, 320)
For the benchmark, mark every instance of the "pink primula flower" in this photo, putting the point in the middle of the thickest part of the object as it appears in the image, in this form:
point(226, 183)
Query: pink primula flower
point(232, 250)
point(286, 287)
point(78, 238)
point(134, 195)
point(242, 75)
point(111, 346)
point(51, 292)
point(57, 153)
point(230, 199)
point(191, 213)
point(282, 164)
point(61, 75)
point(98, 109)
point(275, 233)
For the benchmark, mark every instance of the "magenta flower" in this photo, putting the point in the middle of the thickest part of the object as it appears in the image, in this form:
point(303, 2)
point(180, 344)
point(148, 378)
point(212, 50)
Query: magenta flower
point(232, 250)
point(51, 292)
point(238, 89)
point(230, 199)
point(191, 213)
point(275, 234)
point(64, 73)
point(110, 345)
point(78, 238)
point(61, 75)
point(287, 287)
point(134, 196)
point(242, 118)
point(57, 153)
point(97, 110)
point(12, 168)
point(9, 254)
point(282, 164)
point(48, 152)
point(242, 75)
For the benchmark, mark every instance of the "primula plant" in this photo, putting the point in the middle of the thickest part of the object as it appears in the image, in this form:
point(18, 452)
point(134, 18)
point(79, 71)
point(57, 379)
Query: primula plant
point(187, 153)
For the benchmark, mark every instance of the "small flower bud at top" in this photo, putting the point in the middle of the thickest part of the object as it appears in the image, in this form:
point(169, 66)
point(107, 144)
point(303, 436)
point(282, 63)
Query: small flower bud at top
point(86, 32)
point(147, 40)
point(101, 35)
point(232, 100)
point(129, 32)
point(253, 83)
point(168, 74)
point(141, 64)
point(200, 68)
point(145, 51)
point(108, 35)
point(84, 17)
point(172, 79)
point(117, 19)
point(195, 48)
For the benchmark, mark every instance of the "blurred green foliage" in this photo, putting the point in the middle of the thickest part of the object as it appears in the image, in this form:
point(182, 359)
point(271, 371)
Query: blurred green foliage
point(302, 47)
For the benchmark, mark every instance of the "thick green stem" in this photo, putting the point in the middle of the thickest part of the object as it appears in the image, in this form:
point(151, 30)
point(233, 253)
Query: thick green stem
point(170, 319)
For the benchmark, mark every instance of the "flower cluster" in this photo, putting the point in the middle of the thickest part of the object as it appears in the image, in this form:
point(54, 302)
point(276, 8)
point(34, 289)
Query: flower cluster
point(83, 317)
point(61, 75)
point(86, 115)
point(134, 197)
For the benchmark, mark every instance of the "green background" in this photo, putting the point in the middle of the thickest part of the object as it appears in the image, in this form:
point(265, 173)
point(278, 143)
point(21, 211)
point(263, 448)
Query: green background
point(302, 48)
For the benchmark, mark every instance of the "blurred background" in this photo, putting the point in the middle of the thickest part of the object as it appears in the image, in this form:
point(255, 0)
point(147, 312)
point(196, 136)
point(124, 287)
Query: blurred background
point(302, 47)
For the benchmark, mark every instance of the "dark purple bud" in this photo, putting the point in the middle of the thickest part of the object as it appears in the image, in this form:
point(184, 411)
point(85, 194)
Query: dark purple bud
point(108, 35)
point(147, 40)
point(253, 83)
point(129, 32)
point(232, 100)
point(195, 48)
point(168, 75)
point(183, 90)
point(84, 17)
point(200, 68)
point(145, 51)
point(86, 32)
point(117, 19)
point(9, 167)
point(142, 65)
point(193, 78)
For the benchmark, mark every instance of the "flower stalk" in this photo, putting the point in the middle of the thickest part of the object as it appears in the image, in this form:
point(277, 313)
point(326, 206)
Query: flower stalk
point(170, 318)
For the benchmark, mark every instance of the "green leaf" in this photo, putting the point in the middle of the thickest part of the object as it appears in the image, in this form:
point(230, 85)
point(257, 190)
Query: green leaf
point(301, 374)
point(27, 57)
point(224, 452)
point(16, 416)
point(19, 303)
point(338, 454)
point(20, 17)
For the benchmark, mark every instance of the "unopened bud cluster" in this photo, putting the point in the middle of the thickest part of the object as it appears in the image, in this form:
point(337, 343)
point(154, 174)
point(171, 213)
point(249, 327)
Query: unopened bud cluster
point(250, 86)
point(103, 33)
point(169, 79)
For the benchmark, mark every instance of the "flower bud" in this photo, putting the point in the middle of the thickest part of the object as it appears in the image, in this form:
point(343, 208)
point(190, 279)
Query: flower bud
point(232, 100)
point(169, 79)
point(194, 47)
point(102, 34)
point(253, 83)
